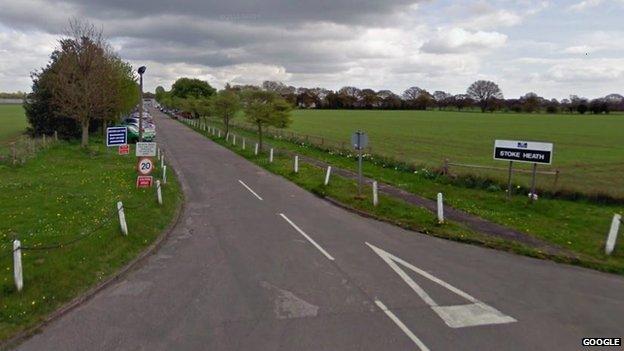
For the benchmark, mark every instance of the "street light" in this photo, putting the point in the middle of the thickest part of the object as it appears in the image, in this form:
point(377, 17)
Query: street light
point(141, 71)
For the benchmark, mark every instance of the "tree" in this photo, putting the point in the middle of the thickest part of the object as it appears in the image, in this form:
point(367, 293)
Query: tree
point(225, 105)
point(265, 108)
point(389, 100)
point(483, 91)
point(462, 101)
point(442, 99)
point(369, 98)
point(349, 97)
point(530, 102)
point(192, 87)
point(411, 94)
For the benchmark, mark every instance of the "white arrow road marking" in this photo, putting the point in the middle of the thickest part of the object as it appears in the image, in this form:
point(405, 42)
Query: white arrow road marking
point(455, 316)
point(402, 326)
point(307, 237)
point(251, 191)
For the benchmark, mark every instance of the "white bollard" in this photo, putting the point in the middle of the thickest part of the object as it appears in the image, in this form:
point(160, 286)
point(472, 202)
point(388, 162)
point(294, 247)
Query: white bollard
point(375, 194)
point(219, 134)
point(158, 192)
point(122, 218)
point(243, 143)
point(296, 164)
point(162, 160)
point(164, 174)
point(158, 153)
point(17, 265)
point(271, 155)
point(234, 139)
point(327, 174)
point(256, 150)
point(613, 233)
point(440, 209)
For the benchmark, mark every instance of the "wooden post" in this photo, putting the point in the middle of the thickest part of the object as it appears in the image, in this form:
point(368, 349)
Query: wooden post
point(17, 265)
point(613, 232)
point(440, 208)
point(509, 179)
point(122, 218)
point(533, 194)
point(327, 174)
point(375, 194)
point(445, 166)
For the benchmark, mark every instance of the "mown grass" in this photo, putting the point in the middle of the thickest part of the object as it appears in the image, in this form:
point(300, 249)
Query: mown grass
point(588, 148)
point(66, 193)
point(578, 226)
point(12, 122)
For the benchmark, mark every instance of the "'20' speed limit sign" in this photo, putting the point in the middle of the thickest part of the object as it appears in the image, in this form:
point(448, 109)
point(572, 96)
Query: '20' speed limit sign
point(145, 166)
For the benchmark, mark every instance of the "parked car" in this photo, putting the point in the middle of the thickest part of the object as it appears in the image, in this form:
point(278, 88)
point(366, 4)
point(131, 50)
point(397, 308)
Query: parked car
point(149, 132)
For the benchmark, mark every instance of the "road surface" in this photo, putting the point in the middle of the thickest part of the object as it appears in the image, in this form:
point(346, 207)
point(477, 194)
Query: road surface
point(257, 263)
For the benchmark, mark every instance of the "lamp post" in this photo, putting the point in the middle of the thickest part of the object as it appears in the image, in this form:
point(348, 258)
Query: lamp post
point(141, 71)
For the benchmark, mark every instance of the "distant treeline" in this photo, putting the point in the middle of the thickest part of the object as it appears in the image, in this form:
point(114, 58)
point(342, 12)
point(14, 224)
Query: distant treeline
point(484, 95)
point(18, 95)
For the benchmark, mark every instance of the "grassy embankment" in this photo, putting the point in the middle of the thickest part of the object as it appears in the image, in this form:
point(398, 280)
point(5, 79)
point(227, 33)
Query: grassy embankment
point(578, 226)
point(64, 194)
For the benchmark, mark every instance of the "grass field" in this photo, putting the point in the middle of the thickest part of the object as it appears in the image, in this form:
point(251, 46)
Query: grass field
point(588, 149)
point(12, 122)
point(66, 195)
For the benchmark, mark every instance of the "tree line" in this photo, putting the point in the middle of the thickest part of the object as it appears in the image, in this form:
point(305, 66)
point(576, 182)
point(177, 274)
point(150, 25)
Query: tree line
point(196, 98)
point(84, 87)
point(482, 94)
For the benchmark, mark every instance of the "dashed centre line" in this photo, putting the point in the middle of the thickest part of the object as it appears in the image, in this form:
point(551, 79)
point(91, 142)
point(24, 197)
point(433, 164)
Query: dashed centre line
point(307, 237)
point(250, 190)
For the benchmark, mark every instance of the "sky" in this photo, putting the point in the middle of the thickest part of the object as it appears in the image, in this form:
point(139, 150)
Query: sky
point(552, 48)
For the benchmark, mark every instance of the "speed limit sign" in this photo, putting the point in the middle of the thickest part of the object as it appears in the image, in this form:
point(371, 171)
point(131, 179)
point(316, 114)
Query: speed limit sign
point(145, 166)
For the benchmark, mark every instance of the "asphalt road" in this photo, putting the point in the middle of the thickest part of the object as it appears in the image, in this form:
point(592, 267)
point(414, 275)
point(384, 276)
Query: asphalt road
point(257, 263)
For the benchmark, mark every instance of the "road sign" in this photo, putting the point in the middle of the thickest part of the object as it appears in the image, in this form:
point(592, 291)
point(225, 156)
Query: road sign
point(116, 136)
point(144, 149)
point(145, 166)
point(144, 181)
point(124, 149)
point(523, 151)
point(359, 140)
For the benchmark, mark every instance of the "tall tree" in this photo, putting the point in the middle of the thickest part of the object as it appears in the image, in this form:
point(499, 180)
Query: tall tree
point(192, 87)
point(483, 92)
point(225, 105)
point(265, 108)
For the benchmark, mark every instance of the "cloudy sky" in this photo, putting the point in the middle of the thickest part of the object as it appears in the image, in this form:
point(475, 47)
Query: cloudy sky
point(554, 48)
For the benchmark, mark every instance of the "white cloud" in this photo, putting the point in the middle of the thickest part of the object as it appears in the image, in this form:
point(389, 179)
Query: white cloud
point(584, 5)
point(458, 40)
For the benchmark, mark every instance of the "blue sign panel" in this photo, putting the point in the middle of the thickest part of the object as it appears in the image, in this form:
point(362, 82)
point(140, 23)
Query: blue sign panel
point(116, 136)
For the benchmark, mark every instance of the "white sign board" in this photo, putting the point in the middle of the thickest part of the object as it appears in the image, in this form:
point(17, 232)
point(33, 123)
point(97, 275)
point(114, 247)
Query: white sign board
point(144, 149)
point(523, 151)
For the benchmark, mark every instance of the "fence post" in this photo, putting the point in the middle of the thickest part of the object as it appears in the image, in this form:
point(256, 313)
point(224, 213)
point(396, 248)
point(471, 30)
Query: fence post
point(256, 150)
point(327, 174)
point(375, 194)
point(14, 151)
point(271, 155)
point(234, 139)
point(445, 166)
point(219, 134)
point(164, 174)
point(556, 179)
point(440, 209)
point(122, 218)
point(243, 143)
point(296, 164)
point(159, 192)
point(17, 265)
point(613, 232)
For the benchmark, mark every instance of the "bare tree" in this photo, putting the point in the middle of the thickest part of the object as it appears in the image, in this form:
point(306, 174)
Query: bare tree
point(483, 92)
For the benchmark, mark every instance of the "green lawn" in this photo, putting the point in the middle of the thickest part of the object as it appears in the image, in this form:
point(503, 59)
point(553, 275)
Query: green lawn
point(12, 122)
point(66, 193)
point(589, 149)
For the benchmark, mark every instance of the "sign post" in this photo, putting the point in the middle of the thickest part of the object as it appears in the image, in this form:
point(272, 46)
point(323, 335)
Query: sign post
point(359, 140)
point(523, 151)
point(116, 136)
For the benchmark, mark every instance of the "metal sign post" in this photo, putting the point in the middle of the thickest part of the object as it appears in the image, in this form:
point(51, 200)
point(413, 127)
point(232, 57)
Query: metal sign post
point(359, 140)
point(509, 179)
point(532, 195)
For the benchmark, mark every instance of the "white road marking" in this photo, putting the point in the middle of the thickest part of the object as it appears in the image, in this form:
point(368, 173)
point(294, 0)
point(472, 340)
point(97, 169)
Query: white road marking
point(455, 316)
point(251, 191)
point(402, 326)
point(307, 237)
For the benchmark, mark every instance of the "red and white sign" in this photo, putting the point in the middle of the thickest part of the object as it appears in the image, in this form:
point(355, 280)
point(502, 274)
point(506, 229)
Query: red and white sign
point(145, 166)
point(124, 149)
point(144, 181)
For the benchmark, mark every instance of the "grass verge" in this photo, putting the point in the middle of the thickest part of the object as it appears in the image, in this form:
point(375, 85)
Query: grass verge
point(64, 194)
point(578, 226)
